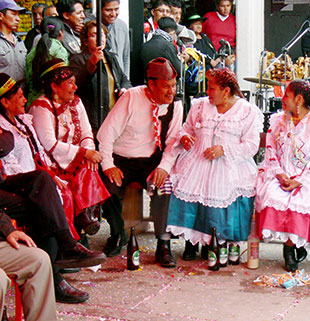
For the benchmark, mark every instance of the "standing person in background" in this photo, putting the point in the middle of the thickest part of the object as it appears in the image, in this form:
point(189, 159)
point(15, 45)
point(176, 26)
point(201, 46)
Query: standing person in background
point(176, 10)
point(118, 36)
point(71, 12)
point(283, 185)
point(50, 11)
point(84, 66)
point(163, 44)
point(203, 43)
point(221, 24)
point(37, 14)
point(13, 61)
point(193, 78)
point(160, 9)
point(49, 46)
point(214, 176)
point(163, 9)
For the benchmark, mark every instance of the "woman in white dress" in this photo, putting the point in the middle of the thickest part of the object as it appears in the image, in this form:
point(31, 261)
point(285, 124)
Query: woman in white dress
point(63, 128)
point(283, 184)
point(214, 176)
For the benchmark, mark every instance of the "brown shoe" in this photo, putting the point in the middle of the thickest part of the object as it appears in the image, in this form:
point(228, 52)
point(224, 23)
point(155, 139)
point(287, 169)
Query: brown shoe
point(78, 256)
point(87, 221)
point(66, 293)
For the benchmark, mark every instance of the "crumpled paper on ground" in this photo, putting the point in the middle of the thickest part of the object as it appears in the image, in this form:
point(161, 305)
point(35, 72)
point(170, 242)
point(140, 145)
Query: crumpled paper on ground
point(287, 280)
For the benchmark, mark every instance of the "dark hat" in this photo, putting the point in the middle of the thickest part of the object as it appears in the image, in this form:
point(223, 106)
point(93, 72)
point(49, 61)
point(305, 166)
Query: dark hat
point(165, 23)
point(55, 68)
point(11, 5)
point(194, 17)
point(160, 68)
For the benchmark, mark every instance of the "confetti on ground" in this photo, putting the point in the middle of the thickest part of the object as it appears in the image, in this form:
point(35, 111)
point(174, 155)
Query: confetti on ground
point(286, 280)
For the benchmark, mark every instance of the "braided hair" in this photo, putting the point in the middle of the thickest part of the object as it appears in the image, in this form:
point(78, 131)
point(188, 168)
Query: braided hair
point(301, 87)
point(225, 78)
point(50, 29)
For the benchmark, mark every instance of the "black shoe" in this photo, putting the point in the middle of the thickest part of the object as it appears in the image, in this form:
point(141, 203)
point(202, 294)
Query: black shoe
point(69, 270)
point(205, 252)
point(301, 254)
point(84, 240)
point(190, 251)
point(79, 256)
point(289, 257)
point(163, 254)
point(5, 315)
point(66, 293)
point(115, 244)
point(87, 221)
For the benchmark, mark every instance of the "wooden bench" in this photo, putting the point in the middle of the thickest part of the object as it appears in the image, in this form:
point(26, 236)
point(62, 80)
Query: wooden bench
point(133, 209)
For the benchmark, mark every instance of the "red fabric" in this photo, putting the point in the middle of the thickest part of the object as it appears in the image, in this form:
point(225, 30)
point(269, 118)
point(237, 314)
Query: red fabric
point(68, 205)
point(283, 221)
point(216, 29)
point(87, 188)
point(147, 27)
point(278, 92)
point(76, 162)
point(66, 194)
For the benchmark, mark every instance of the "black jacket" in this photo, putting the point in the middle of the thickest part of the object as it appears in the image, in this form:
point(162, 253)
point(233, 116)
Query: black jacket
point(87, 83)
point(158, 46)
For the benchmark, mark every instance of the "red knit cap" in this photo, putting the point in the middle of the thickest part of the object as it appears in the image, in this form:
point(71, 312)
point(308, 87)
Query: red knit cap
point(160, 68)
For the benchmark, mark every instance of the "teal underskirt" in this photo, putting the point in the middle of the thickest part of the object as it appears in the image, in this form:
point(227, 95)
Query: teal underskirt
point(232, 223)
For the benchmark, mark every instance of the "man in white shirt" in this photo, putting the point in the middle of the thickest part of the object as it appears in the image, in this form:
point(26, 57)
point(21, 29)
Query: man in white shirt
point(136, 141)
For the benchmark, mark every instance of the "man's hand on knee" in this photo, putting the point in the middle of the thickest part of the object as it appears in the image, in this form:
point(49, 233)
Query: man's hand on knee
point(115, 175)
point(14, 237)
point(158, 177)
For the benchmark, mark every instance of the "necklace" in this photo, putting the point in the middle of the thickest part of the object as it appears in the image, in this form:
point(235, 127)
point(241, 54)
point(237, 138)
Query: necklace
point(298, 155)
point(20, 131)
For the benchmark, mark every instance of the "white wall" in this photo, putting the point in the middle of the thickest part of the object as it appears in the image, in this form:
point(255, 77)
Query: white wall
point(124, 11)
point(250, 40)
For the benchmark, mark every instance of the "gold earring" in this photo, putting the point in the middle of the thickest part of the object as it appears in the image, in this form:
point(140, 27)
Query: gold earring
point(225, 102)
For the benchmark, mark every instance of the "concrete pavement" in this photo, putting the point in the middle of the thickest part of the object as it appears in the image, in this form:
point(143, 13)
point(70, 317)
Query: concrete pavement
point(188, 292)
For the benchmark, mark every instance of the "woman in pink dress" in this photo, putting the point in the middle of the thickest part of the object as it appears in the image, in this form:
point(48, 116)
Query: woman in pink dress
point(283, 184)
point(63, 129)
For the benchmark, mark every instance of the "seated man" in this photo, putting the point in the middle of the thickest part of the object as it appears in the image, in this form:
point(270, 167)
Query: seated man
point(32, 200)
point(136, 142)
point(31, 268)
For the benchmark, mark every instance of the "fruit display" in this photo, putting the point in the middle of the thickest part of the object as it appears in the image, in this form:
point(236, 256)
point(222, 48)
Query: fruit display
point(26, 23)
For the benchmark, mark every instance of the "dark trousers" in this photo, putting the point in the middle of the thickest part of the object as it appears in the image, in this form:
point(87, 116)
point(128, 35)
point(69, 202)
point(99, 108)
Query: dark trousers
point(32, 200)
point(134, 170)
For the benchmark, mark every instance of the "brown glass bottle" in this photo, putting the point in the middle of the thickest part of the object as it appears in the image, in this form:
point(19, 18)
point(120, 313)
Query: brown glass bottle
point(133, 260)
point(214, 252)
